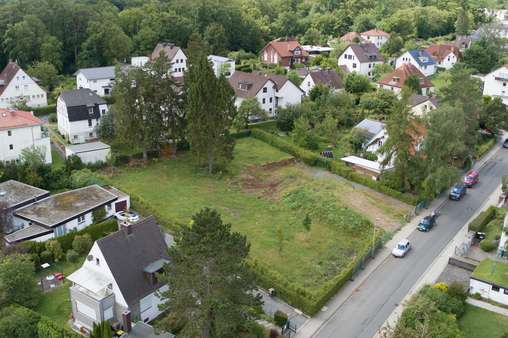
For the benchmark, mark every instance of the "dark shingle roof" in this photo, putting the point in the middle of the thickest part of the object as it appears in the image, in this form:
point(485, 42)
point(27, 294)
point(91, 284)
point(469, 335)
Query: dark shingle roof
point(247, 85)
point(169, 49)
point(398, 77)
point(328, 78)
point(367, 52)
point(78, 101)
point(128, 255)
point(97, 73)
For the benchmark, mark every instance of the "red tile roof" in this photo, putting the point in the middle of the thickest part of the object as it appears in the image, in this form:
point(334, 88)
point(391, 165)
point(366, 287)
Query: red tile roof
point(399, 76)
point(285, 46)
point(440, 52)
point(7, 75)
point(376, 32)
point(10, 118)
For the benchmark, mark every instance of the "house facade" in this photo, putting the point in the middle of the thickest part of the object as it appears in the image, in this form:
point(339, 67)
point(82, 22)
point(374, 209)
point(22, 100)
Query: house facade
point(329, 78)
point(284, 52)
point(271, 91)
point(175, 55)
point(16, 86)
point(79, 113)
point(395, 80)
point(490, 281)
point(375, 36)
point(118, 281)
point(99, 80)
point(496, 84)
point(421, 105)
point(361, 58)
point(420, 58)
point(56, 215)
point(446, 56)
point(222, 65)
point(22, 130)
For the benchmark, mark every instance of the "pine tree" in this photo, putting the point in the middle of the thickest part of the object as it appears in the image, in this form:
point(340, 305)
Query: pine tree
point(210, 111)
point(211, 284)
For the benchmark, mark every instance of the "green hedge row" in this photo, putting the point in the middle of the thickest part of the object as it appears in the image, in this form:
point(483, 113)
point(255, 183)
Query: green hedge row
point(484, 148)
point(334, 166)
point(484, 218)
point(44, 110)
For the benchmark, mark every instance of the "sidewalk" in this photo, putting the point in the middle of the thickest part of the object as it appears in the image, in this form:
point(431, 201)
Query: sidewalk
point(487, 306)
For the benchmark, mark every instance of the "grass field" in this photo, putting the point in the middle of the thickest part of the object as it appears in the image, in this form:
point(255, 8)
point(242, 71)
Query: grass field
point(58, 160)
point(259, 200)
point(480, 323)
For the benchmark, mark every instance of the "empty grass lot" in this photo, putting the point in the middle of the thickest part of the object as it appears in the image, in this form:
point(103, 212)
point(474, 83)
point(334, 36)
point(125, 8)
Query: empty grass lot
point(480, 323)
point(258, 198)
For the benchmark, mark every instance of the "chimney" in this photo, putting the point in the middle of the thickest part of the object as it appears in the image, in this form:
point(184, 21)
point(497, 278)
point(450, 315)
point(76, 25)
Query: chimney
point(125, 226)
point(126, 321)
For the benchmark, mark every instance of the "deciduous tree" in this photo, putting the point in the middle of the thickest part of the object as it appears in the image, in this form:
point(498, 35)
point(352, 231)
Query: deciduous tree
point(18, 282)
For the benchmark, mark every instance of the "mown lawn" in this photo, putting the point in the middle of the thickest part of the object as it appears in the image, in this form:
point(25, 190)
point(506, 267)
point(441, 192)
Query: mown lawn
point(480, 323)
point(258, 201)
point(57, 159)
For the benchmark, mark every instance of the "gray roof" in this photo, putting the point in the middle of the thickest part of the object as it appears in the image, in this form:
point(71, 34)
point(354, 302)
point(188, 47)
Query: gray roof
point(86, 147)
point(143, 330)
point(98, 73)
point(218, 58)
point(81, 97)
point(372, 127)
point(168, 48)
point(128, 255)
point(367, 52)
point(416, 99)
point(328, 78)
point(16, 194)
point(60, 208)
point(27, 233)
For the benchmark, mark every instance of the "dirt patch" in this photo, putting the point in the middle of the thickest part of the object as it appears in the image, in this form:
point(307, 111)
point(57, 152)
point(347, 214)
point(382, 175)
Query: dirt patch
point(258, 179)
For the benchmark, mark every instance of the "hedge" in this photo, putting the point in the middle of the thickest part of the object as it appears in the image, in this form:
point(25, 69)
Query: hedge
point(41, 111)
point(339, 168)
point(481, 221)
point(485, 148)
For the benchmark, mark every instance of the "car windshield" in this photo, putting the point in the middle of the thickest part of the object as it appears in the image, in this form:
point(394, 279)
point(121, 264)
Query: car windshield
point(401, 246)
point(426, 221)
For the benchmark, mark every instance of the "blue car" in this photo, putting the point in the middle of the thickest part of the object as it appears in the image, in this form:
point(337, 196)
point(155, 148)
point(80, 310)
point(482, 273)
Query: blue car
point(505, 143)
point(458, 191)
point(427, 223)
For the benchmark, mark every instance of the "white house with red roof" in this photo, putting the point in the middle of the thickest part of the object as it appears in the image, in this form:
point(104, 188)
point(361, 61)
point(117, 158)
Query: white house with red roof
point(445, 55)
point(375, 36)
point(496, 84)
point(395, 80)
point(21, 130)
point(16, 86)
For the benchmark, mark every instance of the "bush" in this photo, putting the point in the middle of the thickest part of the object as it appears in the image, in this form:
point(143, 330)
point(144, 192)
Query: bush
point(480, 222)
point(82, 244)
point(280, 318)
point(55, 248)
point(488, 245)
point(72, 256)
point(83, 178)
point(52, 118)
point(95, 231)
point(98, 214)
point(46, 256)
point(42, 111)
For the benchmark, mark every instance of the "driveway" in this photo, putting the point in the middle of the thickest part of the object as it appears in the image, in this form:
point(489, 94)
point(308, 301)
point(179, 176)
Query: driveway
point(366, 309)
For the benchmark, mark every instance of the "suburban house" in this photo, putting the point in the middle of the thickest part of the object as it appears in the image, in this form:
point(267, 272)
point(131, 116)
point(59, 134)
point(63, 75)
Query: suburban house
point(271, 91)
point(284, 52)
point(118, 281)
point(375, 36)
point(352, 37)
point(463, 42)
point(421, 104)
point(175, 55)
point(495, 84)
point(79, 112)
point(222, 65)
point(99, 80)
point(375, 135)
point(445, 55)
point(395, 80)
point(16, 86)
point(361, 58)
point(420, 58)
point(490, 281)
point(53, 216)
point(329, 78)
point(21, 130)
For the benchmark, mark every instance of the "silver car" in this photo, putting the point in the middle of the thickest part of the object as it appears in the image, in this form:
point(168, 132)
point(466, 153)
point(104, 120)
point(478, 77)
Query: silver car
point(401, 249)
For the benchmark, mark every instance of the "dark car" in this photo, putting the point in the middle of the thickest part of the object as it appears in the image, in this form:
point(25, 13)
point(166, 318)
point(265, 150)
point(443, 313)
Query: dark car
point(505, 143)
point(427, 223)
point(458, 191)
point(471, 178)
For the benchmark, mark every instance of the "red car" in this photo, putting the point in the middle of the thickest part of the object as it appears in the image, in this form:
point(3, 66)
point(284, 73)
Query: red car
point(471, 178)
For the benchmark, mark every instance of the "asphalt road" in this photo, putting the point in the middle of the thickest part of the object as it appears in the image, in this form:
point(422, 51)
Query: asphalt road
point(366, 310)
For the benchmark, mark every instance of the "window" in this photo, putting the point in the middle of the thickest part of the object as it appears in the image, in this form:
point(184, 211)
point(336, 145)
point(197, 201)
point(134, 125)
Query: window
point(354, 65)
point(506, 291)
point(97, 261)
point(108, 313)
point(11, 146)
point(9, 133)
point(90, 110)
point(75, 137)
point(264, 101)
point(504, 84)
point(103, 111)
point(90, 134)
point(81, 219)
point(270, 110)
point(60, 230)
point(271, 100)
point(265, 90)
point(89, 122)
point(495, 288)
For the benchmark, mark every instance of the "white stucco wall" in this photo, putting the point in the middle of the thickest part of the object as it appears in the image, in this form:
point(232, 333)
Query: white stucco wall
point(307, 84)
point(422, 108)
point(485, 290)
point(90, 157)
point(22, 87)
point(289, 94)
point(497, 87)
point(77, 131)
point(377, 40)
point(219, 67)
point(351, 61)
point(448, 62)
point(22, 138)
point(179, 64)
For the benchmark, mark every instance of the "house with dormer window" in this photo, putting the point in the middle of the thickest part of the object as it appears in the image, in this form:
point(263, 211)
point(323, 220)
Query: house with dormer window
point(284, 52)
point(361, 58)
point(79, 113)
point(421, 59)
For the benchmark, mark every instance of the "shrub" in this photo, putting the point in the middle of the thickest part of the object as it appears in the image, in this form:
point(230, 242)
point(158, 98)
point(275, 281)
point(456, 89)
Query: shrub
point(46, 256)
point(479, 223)
point(84, 177)
point(98, 214)
point(55, 248)
point(96, 231)
point(280, 318)
point(52, 118)
point(488, 245)
point(476, 295)
point(458, 291)
point(82, 244)
point(41, 111)
point(72, 256)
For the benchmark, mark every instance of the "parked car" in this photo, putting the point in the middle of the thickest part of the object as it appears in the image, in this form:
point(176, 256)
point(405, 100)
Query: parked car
point(402, 248)
point(427, 222)
point(457, 192)
point(128, 216)
point(505, 143)
point(471, 178)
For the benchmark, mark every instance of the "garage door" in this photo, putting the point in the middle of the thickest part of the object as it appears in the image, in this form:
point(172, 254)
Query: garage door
point(120, 206)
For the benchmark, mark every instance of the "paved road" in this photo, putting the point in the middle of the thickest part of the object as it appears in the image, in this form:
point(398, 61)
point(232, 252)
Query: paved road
point(366, 310)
